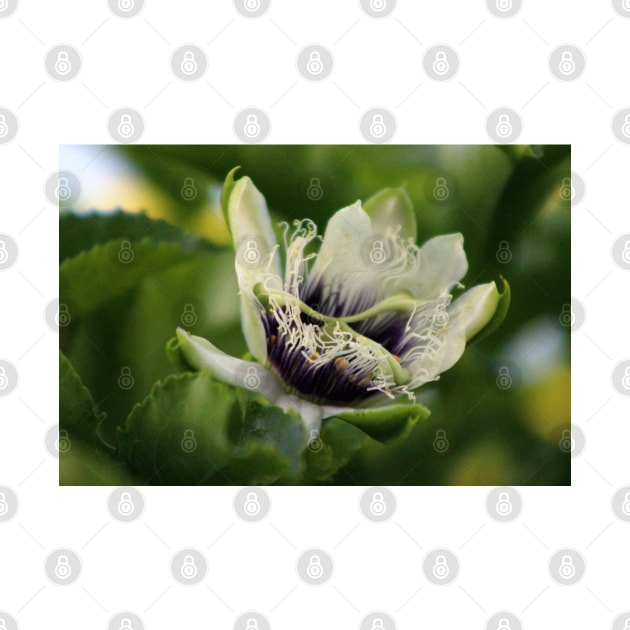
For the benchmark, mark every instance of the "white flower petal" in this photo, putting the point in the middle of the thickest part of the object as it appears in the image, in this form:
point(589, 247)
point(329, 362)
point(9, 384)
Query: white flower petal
point(442, 265)
point(473, 310)
point(391, 208)
point(347, 230)
point(201, 354)
point(250, 226)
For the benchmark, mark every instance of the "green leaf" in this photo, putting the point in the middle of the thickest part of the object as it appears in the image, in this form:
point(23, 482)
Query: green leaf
point(499, 314)
point(92, 278)
point(389, 424)
point(270, 446)
point(80, 232)
point(192, 430)
point(228, 186)
point(77, 414)
point(339, 442)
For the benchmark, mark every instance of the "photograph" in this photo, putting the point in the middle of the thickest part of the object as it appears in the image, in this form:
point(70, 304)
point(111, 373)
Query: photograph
point(379, 315)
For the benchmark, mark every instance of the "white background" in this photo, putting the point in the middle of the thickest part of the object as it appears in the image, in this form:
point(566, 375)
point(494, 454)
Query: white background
point(252, 63)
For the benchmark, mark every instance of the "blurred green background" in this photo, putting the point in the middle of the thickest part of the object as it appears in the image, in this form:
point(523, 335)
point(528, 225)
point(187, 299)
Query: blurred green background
point(500, 417)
